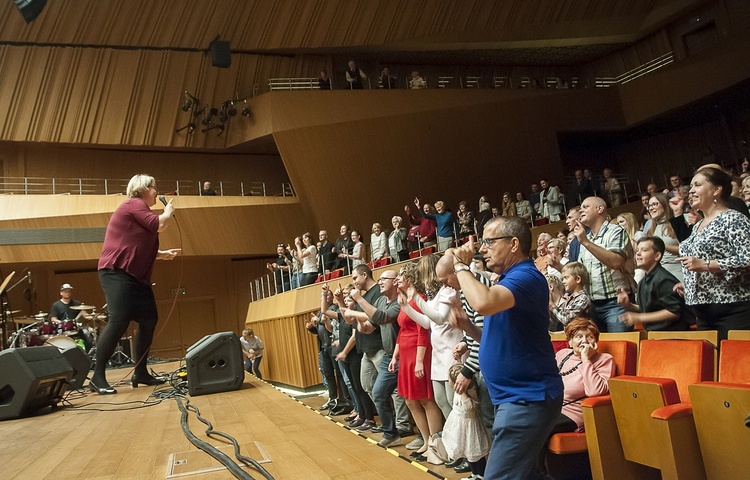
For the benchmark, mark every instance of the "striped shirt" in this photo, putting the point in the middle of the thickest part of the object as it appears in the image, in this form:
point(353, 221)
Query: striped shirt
point(471, 365)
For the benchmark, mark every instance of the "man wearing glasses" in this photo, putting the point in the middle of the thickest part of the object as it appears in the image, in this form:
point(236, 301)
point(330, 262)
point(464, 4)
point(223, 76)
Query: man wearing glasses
point(384, 312)
point(515, 353)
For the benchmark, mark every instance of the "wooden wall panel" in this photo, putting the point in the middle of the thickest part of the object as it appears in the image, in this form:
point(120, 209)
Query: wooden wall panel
point(449, 145)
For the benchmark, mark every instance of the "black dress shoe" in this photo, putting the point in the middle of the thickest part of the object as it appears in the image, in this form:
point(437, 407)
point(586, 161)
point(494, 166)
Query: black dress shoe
point(454, 463)
point(378, 429)
point(108, 390)
point(341, 410)
point(135, 380)
point(463, 468)
point(328, 404)
point(421, 458)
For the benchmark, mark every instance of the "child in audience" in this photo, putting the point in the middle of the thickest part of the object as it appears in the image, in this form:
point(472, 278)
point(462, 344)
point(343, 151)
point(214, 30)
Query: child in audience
point(464, 435)
point(575, 302)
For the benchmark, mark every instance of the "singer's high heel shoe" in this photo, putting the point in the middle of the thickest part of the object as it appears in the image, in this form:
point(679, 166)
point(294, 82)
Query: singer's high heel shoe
point(108, 390)
point(148, 381)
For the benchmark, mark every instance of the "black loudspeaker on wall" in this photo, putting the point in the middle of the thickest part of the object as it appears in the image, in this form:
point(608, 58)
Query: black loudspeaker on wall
point(221, 55)
point(215, 364)
point(31, 379)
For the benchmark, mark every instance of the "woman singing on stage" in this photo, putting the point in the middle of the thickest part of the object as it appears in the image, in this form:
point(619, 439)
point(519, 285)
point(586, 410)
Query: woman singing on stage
point(131, 244)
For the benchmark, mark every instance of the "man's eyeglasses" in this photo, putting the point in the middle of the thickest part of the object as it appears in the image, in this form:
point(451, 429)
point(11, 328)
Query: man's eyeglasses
point(383, 279)
point(489, 242)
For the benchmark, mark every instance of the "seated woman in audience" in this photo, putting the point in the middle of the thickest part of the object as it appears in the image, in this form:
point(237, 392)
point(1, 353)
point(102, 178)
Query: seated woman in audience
point(584, 371)
point(378, 243)
point(612, 189)
point(658, 207)
point(465, 220)
point(308, 256)
point(716, 257)
point(414, 352)
point(523, 208)
point(397, 246)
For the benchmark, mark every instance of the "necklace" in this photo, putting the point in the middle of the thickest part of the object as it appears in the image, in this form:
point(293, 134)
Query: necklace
point(567, 357)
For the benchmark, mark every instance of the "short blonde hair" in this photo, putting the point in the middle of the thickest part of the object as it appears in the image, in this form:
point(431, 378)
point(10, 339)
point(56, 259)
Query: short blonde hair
point(578, 270)
point(439, 204)
point(376, 224)
point(139, 184)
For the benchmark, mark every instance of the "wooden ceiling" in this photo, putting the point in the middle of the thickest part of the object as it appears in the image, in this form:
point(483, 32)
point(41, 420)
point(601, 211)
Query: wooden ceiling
point(419, 31)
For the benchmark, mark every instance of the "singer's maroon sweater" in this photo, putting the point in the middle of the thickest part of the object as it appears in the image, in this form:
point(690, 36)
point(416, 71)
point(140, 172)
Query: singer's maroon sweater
point(132, 240)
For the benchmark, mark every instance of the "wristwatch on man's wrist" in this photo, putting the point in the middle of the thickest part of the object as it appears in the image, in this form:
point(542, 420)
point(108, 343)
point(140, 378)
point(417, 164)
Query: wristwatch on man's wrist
point(461, 268)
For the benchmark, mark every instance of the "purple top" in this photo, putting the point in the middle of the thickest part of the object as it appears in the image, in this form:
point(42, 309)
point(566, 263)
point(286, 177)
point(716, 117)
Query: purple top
point(132, 240)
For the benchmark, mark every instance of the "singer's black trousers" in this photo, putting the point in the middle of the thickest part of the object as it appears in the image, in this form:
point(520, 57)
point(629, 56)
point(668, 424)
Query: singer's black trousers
point(127, 299)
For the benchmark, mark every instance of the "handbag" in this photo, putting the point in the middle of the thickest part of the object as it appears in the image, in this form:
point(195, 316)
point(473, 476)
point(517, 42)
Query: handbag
point(436, 453)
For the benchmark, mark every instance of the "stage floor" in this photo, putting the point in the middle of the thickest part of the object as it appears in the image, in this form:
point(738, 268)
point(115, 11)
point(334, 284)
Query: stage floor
point(116, 437)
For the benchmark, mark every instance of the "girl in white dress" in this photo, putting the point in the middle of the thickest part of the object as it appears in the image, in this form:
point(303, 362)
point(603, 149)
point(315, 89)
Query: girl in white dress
point(463, 433)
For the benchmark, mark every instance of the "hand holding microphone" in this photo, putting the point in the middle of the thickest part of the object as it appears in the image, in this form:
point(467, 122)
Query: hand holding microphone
point(168, 207)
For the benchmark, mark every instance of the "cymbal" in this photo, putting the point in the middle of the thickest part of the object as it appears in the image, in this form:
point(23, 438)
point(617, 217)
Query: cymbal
point(82, 307)
point(41, 315)
point(25, 320)
point(94, 321)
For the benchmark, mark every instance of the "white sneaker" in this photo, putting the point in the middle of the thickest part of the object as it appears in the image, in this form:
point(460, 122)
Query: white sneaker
point(390, 442)
point(415, 444)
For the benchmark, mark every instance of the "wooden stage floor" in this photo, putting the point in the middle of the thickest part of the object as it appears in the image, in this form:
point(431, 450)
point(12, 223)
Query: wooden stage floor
point(97, 438)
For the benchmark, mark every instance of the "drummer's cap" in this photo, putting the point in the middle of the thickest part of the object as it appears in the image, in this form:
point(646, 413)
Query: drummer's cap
point(66, 285)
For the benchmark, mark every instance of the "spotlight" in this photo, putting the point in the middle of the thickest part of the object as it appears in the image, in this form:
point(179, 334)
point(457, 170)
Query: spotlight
point(245, 110)
point(186, 106)
point(223, 116)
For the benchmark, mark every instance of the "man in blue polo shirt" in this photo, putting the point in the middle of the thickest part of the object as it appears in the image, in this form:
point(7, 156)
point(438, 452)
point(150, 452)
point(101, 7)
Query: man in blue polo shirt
point(515, 355)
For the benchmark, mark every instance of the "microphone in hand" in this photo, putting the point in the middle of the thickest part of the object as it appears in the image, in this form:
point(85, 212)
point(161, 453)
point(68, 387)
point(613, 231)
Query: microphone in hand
point(163, 200)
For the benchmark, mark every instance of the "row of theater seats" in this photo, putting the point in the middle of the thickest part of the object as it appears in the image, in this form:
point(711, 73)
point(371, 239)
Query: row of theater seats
point(671, 420)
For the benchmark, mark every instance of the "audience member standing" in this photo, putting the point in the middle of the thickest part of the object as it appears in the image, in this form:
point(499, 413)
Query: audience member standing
point(550, 201)
point(716, 257)
point(534, 201)
point(324, 83)
point(516, 356)
point(445, 224)
point(397, 246)
point(604, 252)
point(354, 76)
point(583, 187)
point(307, 253)
point(327, 253)
point(344, 245)
point(612, 189)
point(378, 243)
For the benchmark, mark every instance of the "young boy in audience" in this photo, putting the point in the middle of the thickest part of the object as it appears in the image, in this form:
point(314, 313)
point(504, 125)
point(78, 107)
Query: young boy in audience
point(659, 307)
point(574, 302)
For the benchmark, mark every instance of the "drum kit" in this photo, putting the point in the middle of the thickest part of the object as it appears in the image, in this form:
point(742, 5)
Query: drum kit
point(38, 330)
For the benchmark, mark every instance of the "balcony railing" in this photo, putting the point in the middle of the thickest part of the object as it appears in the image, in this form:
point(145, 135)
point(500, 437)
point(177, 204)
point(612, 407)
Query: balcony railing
point(98, 186)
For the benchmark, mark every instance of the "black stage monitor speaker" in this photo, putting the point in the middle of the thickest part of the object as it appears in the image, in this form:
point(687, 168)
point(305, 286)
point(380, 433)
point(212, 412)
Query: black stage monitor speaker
point(30, 9)
point(215, 364)
point(79, 362)
point(30, 379)
point(220, 54)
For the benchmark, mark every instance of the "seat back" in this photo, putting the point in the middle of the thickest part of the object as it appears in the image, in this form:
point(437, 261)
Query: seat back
point(685, 361)
point(734, 361)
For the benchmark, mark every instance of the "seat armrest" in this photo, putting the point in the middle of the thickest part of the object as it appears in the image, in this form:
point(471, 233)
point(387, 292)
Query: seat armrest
point(670, 412)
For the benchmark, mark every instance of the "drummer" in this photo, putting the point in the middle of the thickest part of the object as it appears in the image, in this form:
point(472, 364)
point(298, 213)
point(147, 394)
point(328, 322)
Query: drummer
point(61, 312)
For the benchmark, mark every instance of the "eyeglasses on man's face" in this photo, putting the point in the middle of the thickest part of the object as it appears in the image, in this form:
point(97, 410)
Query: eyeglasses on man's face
point(489, 242)
point(383, 279)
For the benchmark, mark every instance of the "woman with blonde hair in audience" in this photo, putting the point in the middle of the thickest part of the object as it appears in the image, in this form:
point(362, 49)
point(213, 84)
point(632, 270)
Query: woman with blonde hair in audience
point(632, 226)
point(378, 242)
point(433, 315)
point(661, 213)
point(412, 353)
point(508, 206)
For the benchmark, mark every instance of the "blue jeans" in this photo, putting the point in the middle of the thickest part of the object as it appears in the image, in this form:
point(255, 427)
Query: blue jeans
point(344, 369)
point(385, 385)
point(606, 315)
point(518, 435)
point(253, 366)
